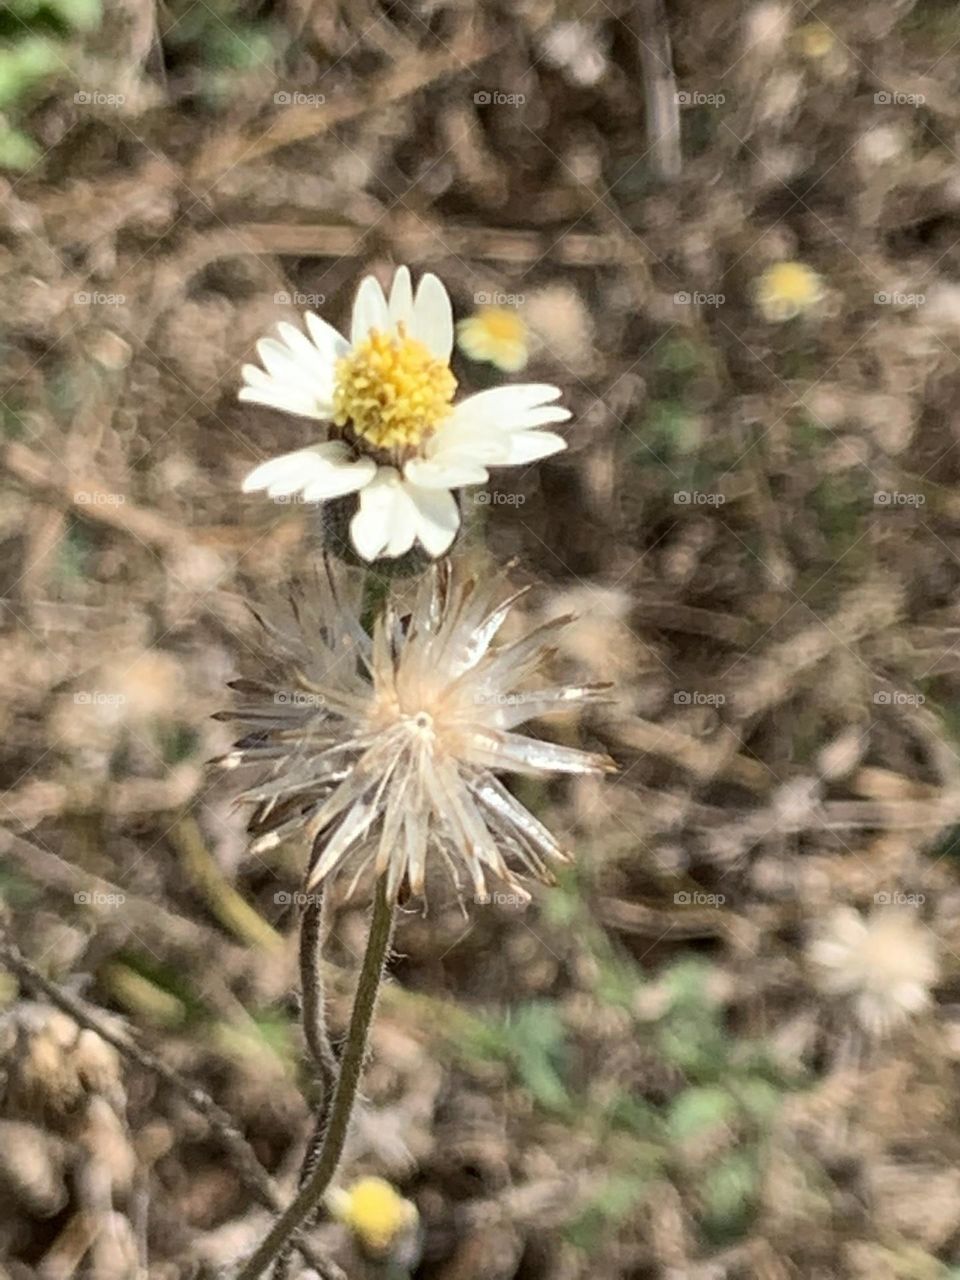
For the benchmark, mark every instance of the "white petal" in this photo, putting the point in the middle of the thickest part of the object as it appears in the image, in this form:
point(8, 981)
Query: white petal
point(254, 376)
point(528, 446)
point(433, 317)
point(509, 408)
point(347, 477)
point(384, 516)
point(301, 403)
point(319, 364)
point(293, 472)
point(447, 472)
point(328, 340)
point(369, 310)
point(463, 442)
point(401, 298)
point(437, 518)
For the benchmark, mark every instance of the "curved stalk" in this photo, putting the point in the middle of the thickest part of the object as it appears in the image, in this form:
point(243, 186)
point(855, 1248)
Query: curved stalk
point(348, 1078)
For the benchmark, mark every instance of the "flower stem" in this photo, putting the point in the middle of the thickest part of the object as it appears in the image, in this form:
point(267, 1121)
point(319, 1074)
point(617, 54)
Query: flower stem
point(313, 1012)
point(351, 1064)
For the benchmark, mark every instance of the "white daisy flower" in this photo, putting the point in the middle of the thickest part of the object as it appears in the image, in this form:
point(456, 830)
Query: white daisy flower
point(884, 963)
point(385, 748)
point(398, 439)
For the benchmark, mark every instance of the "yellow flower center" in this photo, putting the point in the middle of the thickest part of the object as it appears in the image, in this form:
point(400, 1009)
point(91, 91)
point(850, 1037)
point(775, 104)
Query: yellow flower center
point(392, 390)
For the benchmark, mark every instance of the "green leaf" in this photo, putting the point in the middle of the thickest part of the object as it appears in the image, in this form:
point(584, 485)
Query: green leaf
point(695, 1111)
point(17, 151)
point(729, 1189)
point(80, 15)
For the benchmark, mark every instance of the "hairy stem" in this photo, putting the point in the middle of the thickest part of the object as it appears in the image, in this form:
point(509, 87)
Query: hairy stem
point(313, 1014)
point(351, 1064)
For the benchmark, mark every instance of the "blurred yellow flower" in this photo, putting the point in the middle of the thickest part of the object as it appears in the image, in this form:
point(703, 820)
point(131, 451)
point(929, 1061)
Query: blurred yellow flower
point(787, 290)
point(496, 335)
point(815, 40)
point(376, 1214)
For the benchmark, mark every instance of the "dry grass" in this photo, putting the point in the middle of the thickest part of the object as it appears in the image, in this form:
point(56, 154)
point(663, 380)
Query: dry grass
point(639, 1076)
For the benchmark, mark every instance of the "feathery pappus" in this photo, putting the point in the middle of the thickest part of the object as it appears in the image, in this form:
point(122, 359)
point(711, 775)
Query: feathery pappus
point(385, 747)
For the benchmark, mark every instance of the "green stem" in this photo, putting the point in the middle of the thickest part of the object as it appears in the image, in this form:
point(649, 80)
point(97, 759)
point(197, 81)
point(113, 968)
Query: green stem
point(351, 1064)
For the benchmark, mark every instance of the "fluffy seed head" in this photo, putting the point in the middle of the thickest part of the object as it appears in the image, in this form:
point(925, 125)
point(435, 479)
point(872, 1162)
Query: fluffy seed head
point(384, 748)
point(884, 963)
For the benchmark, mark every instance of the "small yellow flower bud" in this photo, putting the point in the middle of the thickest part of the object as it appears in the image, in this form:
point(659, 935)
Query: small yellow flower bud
point(376, 1214)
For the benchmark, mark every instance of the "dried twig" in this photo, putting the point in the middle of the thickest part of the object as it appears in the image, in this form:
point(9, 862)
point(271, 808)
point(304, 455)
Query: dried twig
point(222, 1124)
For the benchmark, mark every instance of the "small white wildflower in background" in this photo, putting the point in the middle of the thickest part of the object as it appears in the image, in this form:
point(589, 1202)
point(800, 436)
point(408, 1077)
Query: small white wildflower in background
point(495, 335)
point(559, 321)
point(377, 1215)
point(884, 963)
point(387, 746)
point(398, 440)
point(575, 48)
point(787, 290)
